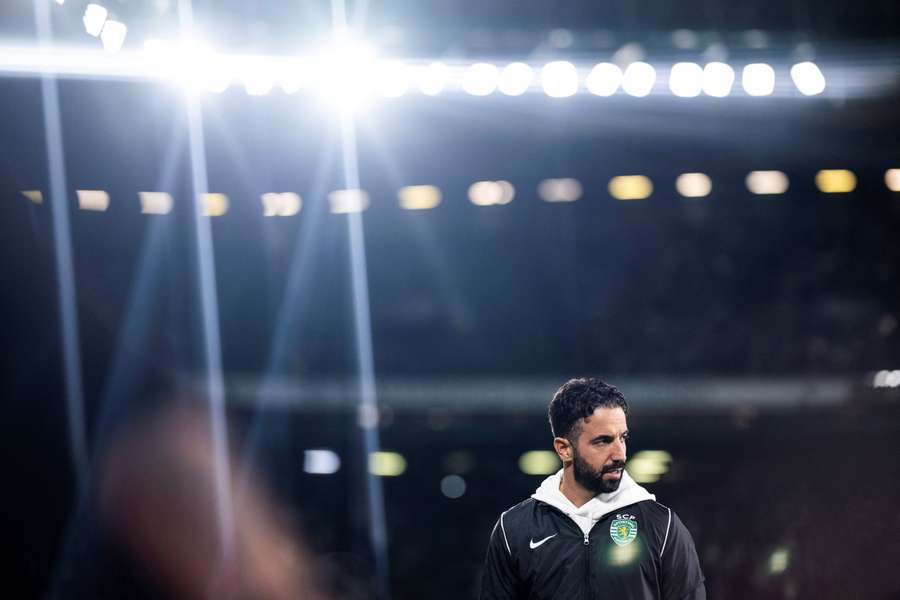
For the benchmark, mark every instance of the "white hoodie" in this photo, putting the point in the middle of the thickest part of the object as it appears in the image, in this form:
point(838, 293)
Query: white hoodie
point(594, 509)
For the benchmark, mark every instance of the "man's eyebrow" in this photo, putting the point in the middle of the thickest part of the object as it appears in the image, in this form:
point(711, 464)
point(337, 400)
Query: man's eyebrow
point(608, 435)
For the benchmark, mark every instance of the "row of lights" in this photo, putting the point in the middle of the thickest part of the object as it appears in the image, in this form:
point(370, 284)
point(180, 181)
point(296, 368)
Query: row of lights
point(558, 79)
point(322, 461)
point(647, 466)
point(483, 193)
point(360, 75)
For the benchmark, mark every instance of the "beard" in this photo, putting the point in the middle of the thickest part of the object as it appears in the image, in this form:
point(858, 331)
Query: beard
point(592, 479)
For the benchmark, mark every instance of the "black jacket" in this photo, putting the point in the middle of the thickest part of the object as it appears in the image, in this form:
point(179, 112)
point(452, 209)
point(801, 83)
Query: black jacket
point(641, 551)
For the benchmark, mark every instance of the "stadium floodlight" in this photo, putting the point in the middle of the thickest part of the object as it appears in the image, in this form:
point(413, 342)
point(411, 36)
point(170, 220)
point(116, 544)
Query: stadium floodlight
point(686, 79)
point(392, 79)
point(480, 79)
point(717, 79)
point(348, 201)
point(156, 203)
point(630, 187)
point(808, 78)
point(604, 79)
point(560, 79)
point(284, 204)
point(566, 189)
point(539, 462)
point(258, 77)
point(293, 75)
point(343, 73)
point(892, 179)
point(836, 181)
point(387, 464)
point(767, 182)
point(321, 461)
point(419, 197)
point(433, 78)
point(113, 35)
point(693, 185)
point(758, 79)
point(515, 79)
point(94, 18)
point(639, 79)
point(94, 200)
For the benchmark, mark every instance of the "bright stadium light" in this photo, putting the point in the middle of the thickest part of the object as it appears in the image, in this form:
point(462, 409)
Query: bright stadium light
point(515, 79)
point(95, 200)
point(639, 79)
point(392, 79)
point(630, 187)
point(113, 35)
point(321, 461)
point(836, 181)
point(214, 205)
point(892, 179)
point(433, 78)
point(284, 204)
point(94, 18)
point(387, 464)
point(490, 193)
point(604, 79)
point(348, 201)
point(419, 197)
point(343, 73)
point(767, 182)
point(539, 462)
point(779, 561)
point(258, 78)
point(686, 79)
point(808, 78)
point(647, 466)
point(293, 76)
point(35, 196)
point(560, 79)
point(560, 190)
point(717, 79)
point(480, 79)
point(758, 79)
point(156, 203)
point(693, 185)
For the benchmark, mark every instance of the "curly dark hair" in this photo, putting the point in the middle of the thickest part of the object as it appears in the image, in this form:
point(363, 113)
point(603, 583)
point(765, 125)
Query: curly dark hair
point(577, 399)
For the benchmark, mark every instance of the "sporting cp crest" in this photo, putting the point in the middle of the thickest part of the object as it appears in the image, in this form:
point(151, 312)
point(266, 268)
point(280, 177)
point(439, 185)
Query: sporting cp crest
point(623, 531)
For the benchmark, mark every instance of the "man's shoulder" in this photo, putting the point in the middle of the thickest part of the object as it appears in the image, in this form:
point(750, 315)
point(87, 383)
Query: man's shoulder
point(521, 515)
point(522, 509)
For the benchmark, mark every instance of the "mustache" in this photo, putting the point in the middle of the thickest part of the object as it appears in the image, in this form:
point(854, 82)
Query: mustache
point(615, 466)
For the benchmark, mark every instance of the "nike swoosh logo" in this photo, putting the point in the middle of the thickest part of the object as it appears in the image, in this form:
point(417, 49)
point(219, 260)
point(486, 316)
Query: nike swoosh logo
point(534, 544)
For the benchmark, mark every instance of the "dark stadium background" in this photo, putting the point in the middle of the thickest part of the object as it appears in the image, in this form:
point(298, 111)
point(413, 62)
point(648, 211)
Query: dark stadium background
point(746, 331)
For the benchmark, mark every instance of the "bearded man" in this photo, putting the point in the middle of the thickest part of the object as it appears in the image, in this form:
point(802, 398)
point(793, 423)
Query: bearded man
point(590, 531)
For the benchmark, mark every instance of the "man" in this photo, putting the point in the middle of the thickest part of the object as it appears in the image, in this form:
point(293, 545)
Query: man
point(590, 531)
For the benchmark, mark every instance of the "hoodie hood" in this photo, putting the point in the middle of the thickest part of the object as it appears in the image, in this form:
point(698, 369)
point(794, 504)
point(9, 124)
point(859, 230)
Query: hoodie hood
point(593, 510)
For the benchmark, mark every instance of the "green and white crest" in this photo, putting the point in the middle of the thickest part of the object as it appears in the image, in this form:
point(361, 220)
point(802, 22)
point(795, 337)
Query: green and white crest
point(623, 531)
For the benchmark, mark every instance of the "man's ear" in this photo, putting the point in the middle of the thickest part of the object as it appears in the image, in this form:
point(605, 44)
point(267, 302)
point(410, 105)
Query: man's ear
point(563, 449)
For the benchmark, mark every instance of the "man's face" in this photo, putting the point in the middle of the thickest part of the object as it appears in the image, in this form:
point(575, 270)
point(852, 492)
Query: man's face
point(598, 456)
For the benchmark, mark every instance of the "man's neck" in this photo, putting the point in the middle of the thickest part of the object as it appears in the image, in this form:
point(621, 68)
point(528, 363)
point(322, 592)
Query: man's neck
point(572, 490)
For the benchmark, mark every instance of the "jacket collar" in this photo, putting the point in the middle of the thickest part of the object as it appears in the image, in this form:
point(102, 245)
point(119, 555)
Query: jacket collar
point(629, 492)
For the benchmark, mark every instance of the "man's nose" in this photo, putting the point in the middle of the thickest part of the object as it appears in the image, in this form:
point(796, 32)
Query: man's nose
point(618, 450)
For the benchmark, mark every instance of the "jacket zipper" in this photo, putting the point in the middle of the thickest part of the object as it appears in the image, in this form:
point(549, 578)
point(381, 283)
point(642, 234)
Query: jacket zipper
point(587, 569)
